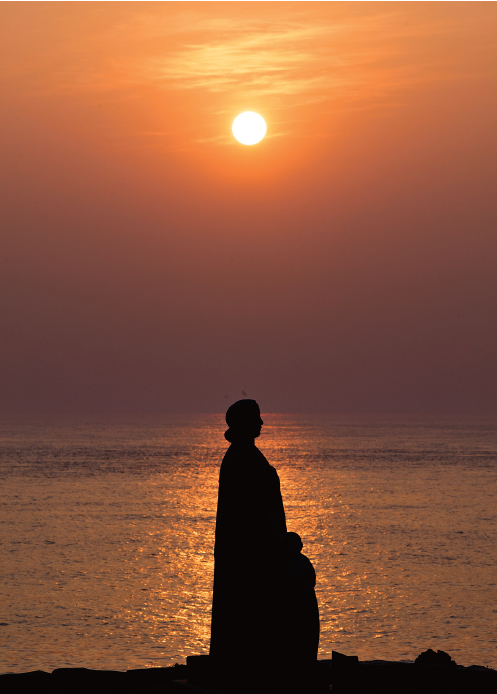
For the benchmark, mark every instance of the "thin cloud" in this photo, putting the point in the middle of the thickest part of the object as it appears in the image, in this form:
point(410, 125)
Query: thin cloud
point(307, 57)
point(362, 57)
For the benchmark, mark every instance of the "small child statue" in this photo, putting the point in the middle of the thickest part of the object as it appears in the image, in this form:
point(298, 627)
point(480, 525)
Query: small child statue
point(302, 613)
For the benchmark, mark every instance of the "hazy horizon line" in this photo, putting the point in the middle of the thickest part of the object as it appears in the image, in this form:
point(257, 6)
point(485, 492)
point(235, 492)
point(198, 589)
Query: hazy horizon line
point(117, 418)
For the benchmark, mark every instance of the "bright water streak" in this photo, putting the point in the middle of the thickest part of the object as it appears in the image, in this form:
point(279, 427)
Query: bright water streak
point(106, 537)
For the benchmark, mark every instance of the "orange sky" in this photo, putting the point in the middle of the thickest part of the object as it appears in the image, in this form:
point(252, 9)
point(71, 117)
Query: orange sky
point(151, 264)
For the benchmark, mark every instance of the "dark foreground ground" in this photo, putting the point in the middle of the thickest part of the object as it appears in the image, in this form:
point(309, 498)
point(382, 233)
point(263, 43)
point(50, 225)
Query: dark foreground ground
point(431, 674)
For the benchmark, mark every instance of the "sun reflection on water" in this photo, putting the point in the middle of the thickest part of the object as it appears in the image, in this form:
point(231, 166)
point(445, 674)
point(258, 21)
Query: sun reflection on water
point(108, 562)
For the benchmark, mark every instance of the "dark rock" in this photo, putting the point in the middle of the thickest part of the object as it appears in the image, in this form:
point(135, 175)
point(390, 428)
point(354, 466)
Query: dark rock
point(439, 676)
point(84, 681)
point(79, 680)
point(200, 669)
point(154, 680)
point(186, 687)
point(429, 657)
point(344, 672)
point(154, 677)
point(83, 674)
point(26, 682)
point(478, 679)
point(339, 660)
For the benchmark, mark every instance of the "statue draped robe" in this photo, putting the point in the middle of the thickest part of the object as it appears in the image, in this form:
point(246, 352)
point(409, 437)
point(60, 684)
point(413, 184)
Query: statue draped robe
point(248, 562)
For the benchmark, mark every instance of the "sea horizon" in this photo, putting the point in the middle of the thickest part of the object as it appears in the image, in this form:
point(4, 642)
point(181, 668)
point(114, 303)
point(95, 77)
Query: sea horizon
point(107, 537)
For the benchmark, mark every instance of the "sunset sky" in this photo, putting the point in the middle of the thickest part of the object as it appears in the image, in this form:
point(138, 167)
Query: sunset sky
point(151, 264)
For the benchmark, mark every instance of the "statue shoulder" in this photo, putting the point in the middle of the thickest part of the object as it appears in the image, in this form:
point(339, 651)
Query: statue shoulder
point(244, 459)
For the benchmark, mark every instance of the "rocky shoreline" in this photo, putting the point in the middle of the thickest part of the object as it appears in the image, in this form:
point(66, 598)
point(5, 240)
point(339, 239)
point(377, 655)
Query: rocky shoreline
point(433, 673)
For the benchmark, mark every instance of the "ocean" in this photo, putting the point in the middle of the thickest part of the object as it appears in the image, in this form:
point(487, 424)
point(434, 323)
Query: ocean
point(107, 531)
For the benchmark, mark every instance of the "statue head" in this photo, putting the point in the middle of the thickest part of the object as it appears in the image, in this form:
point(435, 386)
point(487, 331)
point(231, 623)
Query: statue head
point(293, 543)
point(244, 421)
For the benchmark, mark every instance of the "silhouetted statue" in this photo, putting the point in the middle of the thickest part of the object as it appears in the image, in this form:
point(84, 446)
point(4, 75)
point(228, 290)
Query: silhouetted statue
point(301, 609)
point(251, 614)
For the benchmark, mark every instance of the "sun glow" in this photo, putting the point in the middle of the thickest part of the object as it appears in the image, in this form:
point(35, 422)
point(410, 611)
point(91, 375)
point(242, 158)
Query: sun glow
point(249, 128)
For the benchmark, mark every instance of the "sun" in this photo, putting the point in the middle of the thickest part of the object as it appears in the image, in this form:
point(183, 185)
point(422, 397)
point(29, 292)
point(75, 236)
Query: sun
point(249, 128)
